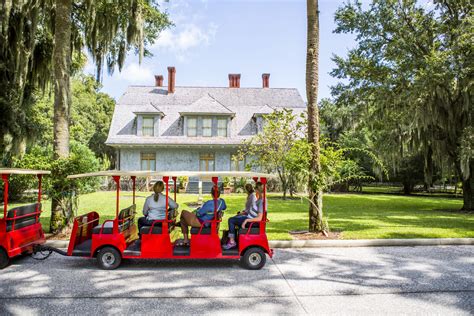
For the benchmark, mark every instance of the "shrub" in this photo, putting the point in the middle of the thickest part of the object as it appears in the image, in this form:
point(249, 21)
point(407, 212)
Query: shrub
point(81, 160)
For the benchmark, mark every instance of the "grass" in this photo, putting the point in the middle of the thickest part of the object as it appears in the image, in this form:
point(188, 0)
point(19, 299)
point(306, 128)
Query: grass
point(357, 216)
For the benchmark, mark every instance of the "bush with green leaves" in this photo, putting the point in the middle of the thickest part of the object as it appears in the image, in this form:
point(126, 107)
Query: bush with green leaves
point(81, 160)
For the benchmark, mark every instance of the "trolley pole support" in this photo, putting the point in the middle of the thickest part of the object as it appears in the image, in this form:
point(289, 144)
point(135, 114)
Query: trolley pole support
point(264, 182)
point(117, 202)
point(40, 178)
point(134, 178)
point(174, 181)
point(5, 194)
point(166, 180)
point(216, 188)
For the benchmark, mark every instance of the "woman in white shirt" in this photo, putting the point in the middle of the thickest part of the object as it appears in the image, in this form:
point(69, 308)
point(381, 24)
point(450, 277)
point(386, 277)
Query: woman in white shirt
point(155, 206)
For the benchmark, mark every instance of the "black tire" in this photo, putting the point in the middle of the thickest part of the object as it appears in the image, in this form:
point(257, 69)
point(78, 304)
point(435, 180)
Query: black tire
point(109, 258)
point(4, 259)
point(253, 258)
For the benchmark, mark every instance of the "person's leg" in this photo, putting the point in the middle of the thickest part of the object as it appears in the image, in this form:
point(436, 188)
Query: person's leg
point(141, 223)
point(184, 224)
point(188, 219)
point(233, 222)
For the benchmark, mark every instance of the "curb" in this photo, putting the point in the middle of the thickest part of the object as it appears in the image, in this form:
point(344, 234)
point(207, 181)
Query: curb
point(341, 243)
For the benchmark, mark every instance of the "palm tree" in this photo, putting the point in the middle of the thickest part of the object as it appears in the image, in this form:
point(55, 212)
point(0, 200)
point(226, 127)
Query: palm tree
point(62, 68)
point(312, 55)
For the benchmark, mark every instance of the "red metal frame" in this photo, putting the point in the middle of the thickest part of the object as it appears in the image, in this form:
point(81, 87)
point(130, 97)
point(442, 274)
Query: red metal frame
point(20, 240)
point(159, 246)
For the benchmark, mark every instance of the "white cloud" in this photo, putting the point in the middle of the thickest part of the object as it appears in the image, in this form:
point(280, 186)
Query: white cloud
point(187, 37)
point(136, 74)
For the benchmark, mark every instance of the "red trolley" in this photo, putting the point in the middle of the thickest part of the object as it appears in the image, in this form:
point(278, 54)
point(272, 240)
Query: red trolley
point(20, 227)
point(117, 239)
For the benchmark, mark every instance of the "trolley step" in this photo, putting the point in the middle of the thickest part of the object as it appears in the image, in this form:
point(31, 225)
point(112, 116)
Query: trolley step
point(182, 251)
point(230, 252)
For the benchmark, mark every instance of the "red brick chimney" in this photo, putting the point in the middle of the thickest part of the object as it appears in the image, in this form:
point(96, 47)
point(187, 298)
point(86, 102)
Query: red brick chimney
point(159, 80)
point(234, 80)
point(265, 80)
point(171, 79)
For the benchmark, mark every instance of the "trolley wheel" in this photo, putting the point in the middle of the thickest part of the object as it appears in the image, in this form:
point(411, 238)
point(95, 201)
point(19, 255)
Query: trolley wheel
point(4, 259)
point(253, 258)
point(109, 258)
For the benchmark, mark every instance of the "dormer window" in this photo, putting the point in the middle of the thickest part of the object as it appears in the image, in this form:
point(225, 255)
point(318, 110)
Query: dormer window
point(148, 126)
point(207, 127)
point(191, 126)
point(222, 127)
point(148, 121)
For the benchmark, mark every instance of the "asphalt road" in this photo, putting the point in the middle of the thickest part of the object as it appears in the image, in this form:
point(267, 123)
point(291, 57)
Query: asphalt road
point(379, 280)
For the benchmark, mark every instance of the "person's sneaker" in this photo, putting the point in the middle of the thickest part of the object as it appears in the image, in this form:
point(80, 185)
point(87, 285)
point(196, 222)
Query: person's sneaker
point(230, 245)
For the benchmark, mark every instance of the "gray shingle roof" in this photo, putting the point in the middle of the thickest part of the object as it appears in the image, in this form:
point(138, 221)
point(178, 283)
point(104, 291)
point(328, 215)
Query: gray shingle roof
point(206, 105)
point(244, 102)
point(148, 109)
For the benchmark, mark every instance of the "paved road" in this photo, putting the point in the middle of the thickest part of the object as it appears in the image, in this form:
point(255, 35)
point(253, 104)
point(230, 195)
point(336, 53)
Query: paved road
point(383, 280)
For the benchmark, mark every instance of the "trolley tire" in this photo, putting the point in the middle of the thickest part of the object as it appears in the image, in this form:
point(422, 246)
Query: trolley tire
point(253, 258)
point(109, 258)
point(4, 259)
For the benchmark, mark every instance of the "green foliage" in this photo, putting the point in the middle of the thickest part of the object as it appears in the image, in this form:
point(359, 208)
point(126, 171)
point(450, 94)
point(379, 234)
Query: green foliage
point(226, 182)
point(182, 181)
point(39, 158)
point(280, 133)
point(410, 172)
point(108, 30)
point(282, 148)
point(91, 113)
point(81, 160)
point(409, 80)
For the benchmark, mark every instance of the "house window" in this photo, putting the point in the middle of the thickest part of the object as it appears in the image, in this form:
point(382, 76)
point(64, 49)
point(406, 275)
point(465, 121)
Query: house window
point(206, 162)
point(192, 126)
point(222, 127)
point(207, 127)
point(148, 161)
point(148, 126)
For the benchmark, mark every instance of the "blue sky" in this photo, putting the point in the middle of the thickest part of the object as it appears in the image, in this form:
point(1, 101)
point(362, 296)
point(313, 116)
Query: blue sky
point(213, 38)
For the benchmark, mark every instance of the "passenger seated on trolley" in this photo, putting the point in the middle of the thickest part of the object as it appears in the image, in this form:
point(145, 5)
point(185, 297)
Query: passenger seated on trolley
point(200, 215)
point(155, 206)
point(251, 200)
point(253, 213)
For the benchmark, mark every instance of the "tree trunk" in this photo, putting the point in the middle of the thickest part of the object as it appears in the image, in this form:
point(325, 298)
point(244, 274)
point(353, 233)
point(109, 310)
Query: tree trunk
point(62, 100)
point(428, 168)
point(312, 56)
point(468, 189)
point(407, 187)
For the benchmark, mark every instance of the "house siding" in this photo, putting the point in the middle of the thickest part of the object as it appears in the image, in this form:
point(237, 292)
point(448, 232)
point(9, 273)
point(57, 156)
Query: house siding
point(129, 159)
point(168, 159)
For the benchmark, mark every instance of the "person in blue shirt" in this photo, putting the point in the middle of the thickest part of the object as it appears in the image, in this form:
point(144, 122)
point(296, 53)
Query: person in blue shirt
point(200, 215)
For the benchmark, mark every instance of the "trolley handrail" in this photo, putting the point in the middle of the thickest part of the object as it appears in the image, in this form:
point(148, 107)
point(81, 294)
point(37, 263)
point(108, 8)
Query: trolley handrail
point(15, 217)
point(158, 221)
point(103, 225)
point(266, 220)
point(208, 221)
point(87, 223)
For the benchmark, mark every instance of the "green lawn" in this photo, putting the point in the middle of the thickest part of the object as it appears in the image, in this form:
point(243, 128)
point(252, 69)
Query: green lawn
point(357, 216)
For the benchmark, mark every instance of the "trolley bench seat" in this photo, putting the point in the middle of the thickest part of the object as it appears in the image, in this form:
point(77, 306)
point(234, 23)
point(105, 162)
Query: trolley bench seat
point(23, 216)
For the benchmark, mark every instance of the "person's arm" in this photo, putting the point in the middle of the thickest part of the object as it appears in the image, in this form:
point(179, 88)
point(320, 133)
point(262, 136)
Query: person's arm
point(172, 204)
point(250, 220)
point(223, 205)
point(146, 207)
point(200, 211)
point(253, 202)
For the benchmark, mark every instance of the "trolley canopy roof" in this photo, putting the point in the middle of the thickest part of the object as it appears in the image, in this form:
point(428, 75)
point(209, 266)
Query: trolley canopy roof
point(22, 171)
point(198, 174)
